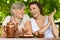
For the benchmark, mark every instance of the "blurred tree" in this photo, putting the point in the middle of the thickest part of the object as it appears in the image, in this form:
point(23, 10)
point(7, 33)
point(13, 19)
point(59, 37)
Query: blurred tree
point(47, 7)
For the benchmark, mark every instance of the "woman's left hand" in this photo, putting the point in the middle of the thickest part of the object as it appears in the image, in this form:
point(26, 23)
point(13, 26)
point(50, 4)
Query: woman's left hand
point(51, 15)
point(53, 12)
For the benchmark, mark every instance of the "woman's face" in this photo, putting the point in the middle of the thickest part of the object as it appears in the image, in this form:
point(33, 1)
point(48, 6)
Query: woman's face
point(18, 12)
point(34, 10)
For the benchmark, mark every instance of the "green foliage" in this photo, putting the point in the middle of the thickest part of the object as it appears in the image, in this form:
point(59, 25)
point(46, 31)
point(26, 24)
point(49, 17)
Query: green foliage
point(47, 7)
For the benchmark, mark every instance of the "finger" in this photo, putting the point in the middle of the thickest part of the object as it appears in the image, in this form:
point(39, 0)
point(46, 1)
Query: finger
point(53, 12)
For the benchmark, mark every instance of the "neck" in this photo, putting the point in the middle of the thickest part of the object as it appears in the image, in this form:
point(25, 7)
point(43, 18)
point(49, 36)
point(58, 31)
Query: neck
point(39, 16)
point(16, 19)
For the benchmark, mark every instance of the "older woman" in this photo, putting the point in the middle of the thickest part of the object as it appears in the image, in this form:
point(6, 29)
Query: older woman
point(18, 16)
point(42, 24)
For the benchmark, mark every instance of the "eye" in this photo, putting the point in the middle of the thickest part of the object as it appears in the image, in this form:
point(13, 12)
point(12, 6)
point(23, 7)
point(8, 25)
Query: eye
point(33, 8)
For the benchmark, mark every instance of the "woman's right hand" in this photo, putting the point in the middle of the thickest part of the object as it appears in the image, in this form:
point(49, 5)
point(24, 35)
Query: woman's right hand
point(4, 35)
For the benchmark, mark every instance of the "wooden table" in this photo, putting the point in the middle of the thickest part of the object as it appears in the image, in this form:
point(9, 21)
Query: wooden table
point(29, 38)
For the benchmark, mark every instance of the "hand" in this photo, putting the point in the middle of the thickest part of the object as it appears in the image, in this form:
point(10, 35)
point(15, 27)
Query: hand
point(20, 31)
point(24, 29)
point(51, 15)
point(39, 32)
point(4, 35)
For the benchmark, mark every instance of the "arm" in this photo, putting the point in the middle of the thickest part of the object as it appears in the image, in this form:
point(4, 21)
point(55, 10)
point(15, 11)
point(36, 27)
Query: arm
point(28, 26)
point(4, 24)
point(3, 33)
point(54, 28)
point(45, 28)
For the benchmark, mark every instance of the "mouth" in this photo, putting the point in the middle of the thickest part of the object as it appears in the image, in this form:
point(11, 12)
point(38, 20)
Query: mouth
point(33, 13)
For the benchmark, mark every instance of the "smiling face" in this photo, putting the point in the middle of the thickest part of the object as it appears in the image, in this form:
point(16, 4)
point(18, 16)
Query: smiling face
point(18, 12)
point(35, 11)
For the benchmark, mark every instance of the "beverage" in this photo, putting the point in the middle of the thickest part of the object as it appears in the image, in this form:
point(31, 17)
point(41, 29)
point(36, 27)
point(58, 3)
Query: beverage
point(11, 29)
point(40, 35)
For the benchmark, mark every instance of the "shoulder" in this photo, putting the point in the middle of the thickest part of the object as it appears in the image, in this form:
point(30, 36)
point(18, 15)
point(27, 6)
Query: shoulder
point(6, 20)
point(32, 19)
point(8, 17)
point(47, 17)
point(25, 15)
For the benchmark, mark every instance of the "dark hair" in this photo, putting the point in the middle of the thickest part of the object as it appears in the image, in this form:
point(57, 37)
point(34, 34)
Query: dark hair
point(38, 5)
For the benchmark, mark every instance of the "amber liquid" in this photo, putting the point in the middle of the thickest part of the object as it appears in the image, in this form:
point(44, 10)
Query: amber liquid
point(41, 35)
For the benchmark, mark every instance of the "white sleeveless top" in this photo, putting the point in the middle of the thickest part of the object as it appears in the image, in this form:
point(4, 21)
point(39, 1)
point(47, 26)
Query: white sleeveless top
point(48, 32)
point(21, 25)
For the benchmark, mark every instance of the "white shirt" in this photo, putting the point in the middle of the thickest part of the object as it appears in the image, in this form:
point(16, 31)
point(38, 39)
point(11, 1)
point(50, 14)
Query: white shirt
point(48, 33)
point(21, 25)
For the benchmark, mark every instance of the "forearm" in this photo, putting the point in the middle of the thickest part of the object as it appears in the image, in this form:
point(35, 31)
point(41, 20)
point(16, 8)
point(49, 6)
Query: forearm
point(3, 33)
point(3, 30)
point(28, 26)
point(55, 30)
point(45, 28)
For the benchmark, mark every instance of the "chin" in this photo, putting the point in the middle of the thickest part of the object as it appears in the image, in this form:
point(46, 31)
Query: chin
point(20, 17)
point(35, 16)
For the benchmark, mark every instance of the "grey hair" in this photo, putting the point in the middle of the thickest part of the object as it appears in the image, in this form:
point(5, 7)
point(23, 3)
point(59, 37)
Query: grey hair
point(16, 5)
